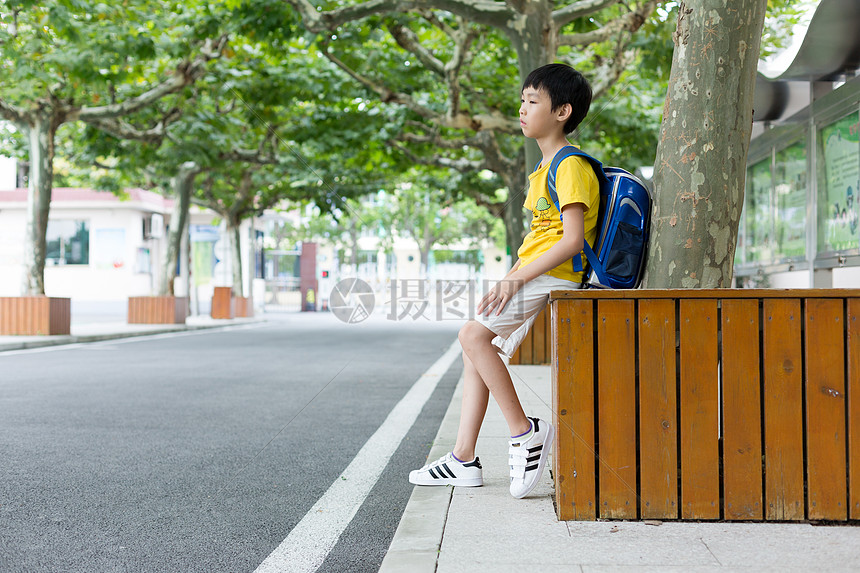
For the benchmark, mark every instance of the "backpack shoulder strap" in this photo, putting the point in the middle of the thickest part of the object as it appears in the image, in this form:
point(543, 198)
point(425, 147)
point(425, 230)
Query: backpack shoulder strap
point(597, 166)
point(561, 155)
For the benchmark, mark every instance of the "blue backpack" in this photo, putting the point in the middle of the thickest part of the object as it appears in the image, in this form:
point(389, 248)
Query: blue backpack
point(624, 218)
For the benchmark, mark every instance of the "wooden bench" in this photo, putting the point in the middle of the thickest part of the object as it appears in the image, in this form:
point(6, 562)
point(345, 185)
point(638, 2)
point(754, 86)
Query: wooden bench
point(706, 404)
point(536, 347)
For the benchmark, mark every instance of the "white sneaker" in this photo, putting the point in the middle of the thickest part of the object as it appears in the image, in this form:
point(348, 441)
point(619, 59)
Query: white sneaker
point(448, 471)
point(527, 457)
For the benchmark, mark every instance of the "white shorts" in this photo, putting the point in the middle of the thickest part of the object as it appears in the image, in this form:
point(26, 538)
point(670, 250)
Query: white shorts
point(512, 325)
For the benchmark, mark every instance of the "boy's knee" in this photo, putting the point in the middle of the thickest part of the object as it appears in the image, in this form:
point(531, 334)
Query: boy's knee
point(473, 333)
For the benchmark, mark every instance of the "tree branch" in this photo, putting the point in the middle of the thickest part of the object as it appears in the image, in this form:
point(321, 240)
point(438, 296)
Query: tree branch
point(479, 11)
point(259, 156)
point(629, 22)
point(462, 40)
point(124, 130)
point(611, 72)
point(407, 40)
point(184, 75)
point(571, 12)
point(439, 141)
point(385, 95)
point(461, 165)
point(14, 114)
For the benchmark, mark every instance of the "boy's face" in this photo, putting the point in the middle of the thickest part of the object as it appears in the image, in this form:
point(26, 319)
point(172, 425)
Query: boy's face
point(537, 118)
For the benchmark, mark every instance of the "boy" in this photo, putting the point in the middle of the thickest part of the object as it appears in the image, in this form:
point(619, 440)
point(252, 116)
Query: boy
point(554, 100)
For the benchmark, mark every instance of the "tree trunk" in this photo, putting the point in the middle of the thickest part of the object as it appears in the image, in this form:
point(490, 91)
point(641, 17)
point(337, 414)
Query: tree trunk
point(41, 147)
point(514, 212)
point(183, 184)
point(353, 245)
point(236, 255)
point(700, 167)
point(425, 244)
point(533, 38)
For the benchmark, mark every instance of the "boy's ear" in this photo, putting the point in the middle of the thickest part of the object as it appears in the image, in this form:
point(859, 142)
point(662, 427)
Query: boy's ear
point(564, 112)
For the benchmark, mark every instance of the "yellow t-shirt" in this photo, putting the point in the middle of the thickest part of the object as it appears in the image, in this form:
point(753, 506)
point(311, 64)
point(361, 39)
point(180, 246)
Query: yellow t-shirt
point(575, 183)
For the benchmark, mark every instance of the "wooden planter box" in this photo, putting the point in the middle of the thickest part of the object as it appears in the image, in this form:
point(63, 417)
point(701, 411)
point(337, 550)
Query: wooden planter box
point(707, 404)
point(243, 307)
point(35, 315)
point(536, 347)
point(157, 309)
point(222, 303)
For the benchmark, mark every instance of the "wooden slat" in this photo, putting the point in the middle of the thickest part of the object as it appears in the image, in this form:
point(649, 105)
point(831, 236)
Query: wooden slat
point(573, 407)
point(853, 340)
point(596, 294)
point(548, 323)
point(741, 410)
point(658, 433)
point(827, 496)
point(526, 349)
point(616, 408)
point(539, 342)
point(699, 430)
point(783, 409)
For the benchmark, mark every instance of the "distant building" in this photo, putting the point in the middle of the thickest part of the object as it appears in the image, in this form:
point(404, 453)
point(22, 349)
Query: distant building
point(102, 247)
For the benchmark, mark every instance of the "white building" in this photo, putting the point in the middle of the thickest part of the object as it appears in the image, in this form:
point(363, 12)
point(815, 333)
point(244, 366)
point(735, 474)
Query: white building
point(102, 247)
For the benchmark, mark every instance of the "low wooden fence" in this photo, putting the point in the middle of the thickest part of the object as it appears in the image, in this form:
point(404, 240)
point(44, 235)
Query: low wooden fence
point(707, 404)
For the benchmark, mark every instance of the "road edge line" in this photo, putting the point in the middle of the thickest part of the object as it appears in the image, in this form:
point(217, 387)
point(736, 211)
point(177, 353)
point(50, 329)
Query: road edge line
point(310, 541)
point(418, 538)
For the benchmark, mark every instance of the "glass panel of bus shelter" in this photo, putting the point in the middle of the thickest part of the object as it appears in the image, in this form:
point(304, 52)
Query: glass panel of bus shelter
point(789, 184)
point(759, 221)
point(839, 171)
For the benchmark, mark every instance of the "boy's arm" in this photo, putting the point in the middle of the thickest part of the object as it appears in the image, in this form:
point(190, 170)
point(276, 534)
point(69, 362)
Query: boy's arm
point(571, 242)
point(573, 237)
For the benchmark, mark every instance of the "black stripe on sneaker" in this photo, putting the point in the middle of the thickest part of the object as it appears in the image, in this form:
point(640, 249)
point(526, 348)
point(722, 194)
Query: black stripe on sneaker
point(432, 473)
point(531, 467)
point(447, 469)
point(473, 464)
point(441, 472)
point(532, 459)
point(535, 449)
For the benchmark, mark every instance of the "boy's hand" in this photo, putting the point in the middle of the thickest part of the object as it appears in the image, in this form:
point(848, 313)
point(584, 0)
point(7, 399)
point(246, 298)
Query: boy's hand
point(499, 296)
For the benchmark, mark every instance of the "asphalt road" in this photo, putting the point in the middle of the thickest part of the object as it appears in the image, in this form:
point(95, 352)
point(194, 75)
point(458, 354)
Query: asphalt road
point(200, 452)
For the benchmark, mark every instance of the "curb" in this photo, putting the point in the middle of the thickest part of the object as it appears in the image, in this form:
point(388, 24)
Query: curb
point(85, 338)
point(418, 539)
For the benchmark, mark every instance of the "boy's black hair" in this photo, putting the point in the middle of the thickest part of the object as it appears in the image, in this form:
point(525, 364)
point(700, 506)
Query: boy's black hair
point(564, 85)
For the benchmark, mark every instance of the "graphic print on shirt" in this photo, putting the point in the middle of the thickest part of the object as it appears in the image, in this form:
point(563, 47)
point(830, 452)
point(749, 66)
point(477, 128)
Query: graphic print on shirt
point(542, 214)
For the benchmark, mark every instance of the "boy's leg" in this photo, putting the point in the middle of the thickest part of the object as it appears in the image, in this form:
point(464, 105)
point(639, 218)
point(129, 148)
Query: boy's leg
point(476, 340)
point(476, 396)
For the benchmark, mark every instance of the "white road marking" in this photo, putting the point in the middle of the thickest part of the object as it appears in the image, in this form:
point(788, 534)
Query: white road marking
point(311, 540)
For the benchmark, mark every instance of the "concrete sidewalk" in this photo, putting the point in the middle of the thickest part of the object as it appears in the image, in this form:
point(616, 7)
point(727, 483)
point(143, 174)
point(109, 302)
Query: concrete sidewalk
point(448, 530)
point(87, 331)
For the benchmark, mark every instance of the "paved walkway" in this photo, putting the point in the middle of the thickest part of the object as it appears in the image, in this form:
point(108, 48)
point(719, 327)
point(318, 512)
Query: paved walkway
point(451, 530)
point(87, 331)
